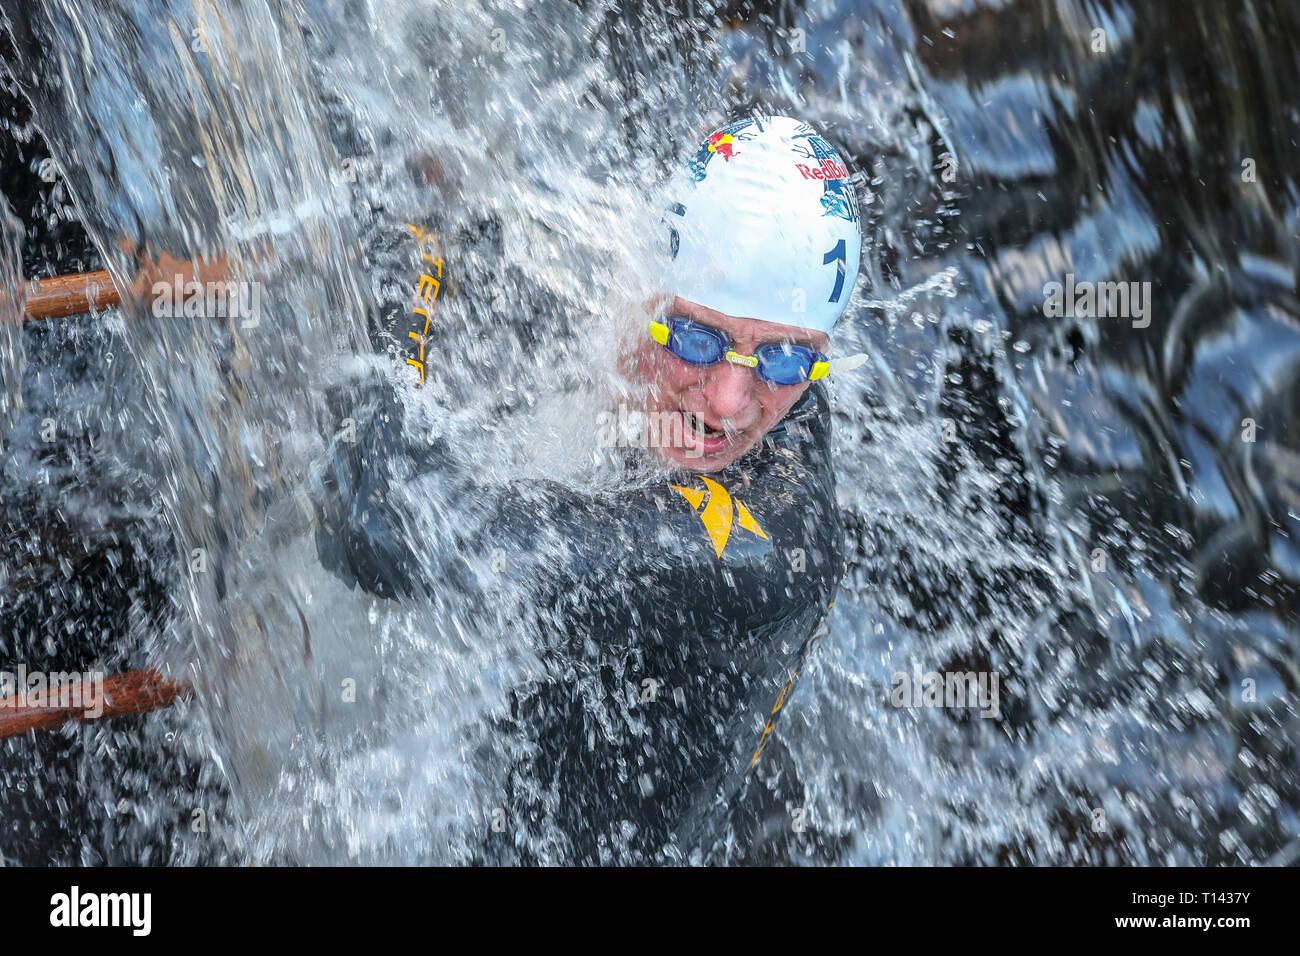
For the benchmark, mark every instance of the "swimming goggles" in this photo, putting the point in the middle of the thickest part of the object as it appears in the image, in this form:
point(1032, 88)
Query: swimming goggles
point(778, 363)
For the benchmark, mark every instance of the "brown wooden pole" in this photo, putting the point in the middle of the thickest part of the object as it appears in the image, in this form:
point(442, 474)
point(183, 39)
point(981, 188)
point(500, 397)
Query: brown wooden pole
point(75, 294)
point(81, 292)
point(135, 692)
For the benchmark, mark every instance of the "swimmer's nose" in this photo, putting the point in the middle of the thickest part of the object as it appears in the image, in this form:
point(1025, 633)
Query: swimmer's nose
point(729, 390)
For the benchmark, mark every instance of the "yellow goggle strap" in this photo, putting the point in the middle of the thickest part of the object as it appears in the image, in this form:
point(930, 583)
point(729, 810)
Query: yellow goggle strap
point(846, 364)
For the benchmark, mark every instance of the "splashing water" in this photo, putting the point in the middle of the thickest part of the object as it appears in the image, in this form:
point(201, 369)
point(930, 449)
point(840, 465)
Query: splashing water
point(11, 317)
point(1066, 503)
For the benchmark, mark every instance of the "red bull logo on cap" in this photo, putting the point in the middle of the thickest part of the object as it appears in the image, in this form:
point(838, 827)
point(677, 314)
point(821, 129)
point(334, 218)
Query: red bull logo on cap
point(837, 198)
point(826, 169)
point(721, 144)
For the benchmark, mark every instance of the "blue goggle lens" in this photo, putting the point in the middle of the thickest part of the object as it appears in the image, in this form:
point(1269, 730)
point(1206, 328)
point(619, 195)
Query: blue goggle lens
point(695, 344)
point(784, 364)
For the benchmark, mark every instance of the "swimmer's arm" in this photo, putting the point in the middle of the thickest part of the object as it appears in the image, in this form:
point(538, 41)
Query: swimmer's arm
point(547, 534)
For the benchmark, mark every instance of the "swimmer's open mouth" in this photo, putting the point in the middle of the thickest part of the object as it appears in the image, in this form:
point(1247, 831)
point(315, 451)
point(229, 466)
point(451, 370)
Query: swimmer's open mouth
point(698, 426)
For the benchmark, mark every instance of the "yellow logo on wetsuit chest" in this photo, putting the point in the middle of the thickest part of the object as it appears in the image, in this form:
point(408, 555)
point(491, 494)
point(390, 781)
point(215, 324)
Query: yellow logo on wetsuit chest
point(719, 514)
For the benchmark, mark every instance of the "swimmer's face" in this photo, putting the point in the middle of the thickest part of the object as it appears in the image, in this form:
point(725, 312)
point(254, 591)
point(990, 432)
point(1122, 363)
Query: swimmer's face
point(707, 417)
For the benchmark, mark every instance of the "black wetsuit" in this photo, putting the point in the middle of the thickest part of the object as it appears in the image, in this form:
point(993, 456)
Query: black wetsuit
point(674, 621)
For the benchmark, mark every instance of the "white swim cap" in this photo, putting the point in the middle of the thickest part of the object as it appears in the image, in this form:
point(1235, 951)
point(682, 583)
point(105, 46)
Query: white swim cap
point(764, 225)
